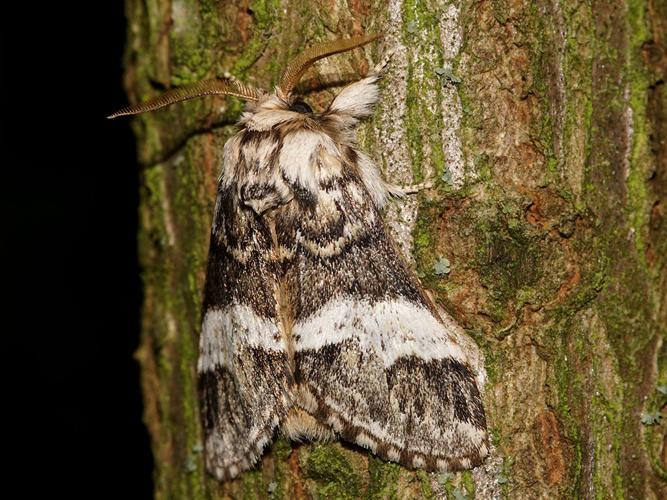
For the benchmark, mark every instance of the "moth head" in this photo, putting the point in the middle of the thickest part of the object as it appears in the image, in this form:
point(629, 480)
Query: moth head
point(284, 93)
point(298, 105)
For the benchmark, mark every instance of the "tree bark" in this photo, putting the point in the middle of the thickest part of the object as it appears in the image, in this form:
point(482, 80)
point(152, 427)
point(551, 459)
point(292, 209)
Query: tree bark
point(545, 126)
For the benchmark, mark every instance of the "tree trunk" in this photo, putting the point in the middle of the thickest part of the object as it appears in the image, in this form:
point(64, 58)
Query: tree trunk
point(545, 126)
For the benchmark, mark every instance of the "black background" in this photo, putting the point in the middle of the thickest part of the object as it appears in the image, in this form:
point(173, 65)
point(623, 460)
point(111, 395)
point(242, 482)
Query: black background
point(69, 204)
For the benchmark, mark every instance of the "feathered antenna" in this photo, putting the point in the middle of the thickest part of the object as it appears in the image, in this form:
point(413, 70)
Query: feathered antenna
point(298, 66)
point(199, 89)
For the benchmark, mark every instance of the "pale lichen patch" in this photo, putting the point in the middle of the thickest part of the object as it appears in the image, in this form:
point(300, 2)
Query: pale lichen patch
point(451, 37)
point(391, 140)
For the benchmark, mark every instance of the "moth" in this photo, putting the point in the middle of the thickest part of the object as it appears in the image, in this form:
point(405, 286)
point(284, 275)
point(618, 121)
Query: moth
point(313, 321)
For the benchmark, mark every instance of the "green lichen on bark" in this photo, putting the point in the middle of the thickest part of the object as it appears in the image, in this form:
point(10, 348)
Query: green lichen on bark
point(266, 22)
point(593, 384)
point(331, 471)
point(423, 119)
point(383, 479)
point(554, 239)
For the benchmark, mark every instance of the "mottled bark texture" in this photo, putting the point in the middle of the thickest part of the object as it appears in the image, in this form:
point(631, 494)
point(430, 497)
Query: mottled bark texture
point(545, 125)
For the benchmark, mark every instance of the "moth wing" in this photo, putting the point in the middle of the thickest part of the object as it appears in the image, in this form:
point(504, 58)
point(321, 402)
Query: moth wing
point(372, 358)
point(243, 367)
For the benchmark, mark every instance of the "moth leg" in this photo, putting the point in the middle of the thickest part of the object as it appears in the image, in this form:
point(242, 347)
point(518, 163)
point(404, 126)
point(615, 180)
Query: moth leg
point(398, 191)
point(379, 67)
